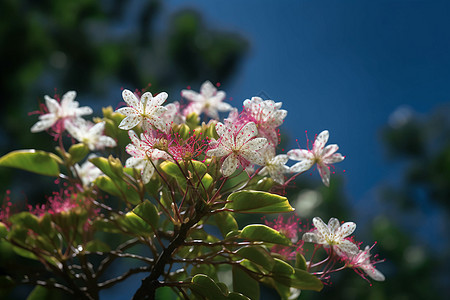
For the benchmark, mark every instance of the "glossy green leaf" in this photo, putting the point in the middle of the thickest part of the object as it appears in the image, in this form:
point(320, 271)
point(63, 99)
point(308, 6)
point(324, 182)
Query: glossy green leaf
point(264, 184)
point(305, 281)
point(225, 222)
point(300, 279)
point(97, 246)
point(40, 162)
point(206, 287)
point(78, 152)
point(258, 202)
point(24, 253)
point(263, 233)
point(300, 262)
point(117, 188)
point(27, 220)
point(40, 292)
point(258, 255)
point(192, 170)
point(148, 212)
point(206, 269)
point(245, 284)
point(107, 225)
point(3, 230)
point(282, 268)
point(135, 224)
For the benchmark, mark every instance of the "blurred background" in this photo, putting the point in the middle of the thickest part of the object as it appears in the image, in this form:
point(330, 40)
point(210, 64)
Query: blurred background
point(374, 73)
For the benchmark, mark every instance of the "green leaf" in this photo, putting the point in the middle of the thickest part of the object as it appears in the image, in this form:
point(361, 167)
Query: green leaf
point(225, 222)
point(40, 292)
point(24, 253)
point(3, 230)
point(6, 282)
point(148, 212)
point(97, 246)
point(78, 152)
point(193, 169)
point(258, 202)
point(135, 224)
point(245, 284)
point(300, 262)
point(165, 293)
point(27, 220)
point(206, 287)
point(263, 233)
point(206, 269)
point(282, 268)
point(305, 281)
point(40, 162)
point(106, 225)
point(258, 255)
point(118, 188)
point(265, 184)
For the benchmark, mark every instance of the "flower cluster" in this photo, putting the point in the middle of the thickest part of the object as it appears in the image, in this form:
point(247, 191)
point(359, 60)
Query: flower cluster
point(157, 177)
point(67, 115)
point(336, 237)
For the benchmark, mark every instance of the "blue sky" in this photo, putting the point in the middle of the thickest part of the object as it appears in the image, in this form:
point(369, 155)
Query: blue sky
point(344, 66)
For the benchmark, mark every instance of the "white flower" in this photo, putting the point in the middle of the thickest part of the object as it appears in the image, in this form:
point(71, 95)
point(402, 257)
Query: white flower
point(323, 156)
point(267, 116)
point(362, 261)
point(143, 156)
point(172, 115)
point(147, 111)
point(208, 101)
point(333, 235)
point(275, 166)
point(238, 146)
point(66, 110)
point(87, 172)
point(90, 134)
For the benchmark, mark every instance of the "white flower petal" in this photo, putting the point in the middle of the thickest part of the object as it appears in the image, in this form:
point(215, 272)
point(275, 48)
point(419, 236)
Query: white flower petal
point(322, 228)
point(302, 166)
point(345, 230)
point(300, 154)
point(310, 237)
point(324, 172)
point(247, 132)
point(159, 99)
point(130, 122)
point(43, 125)
point(131, 99)
point(190, 95)
point(329, 150)
point(208, 89)
point(106, 141)
point(219, 152)
point(52, 105)
point(281, 159)
point(229, 165)
point(320, 142)
point(147, 172)
point(373, 273)
point(346, 248)
point(335, 158)
point(254, 145)
point(333, 225)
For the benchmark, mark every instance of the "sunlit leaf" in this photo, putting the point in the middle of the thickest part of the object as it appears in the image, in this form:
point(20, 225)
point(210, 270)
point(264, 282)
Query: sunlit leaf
point(40, 162)
point(258, 202)
point(258, 232)
point(245, 284)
